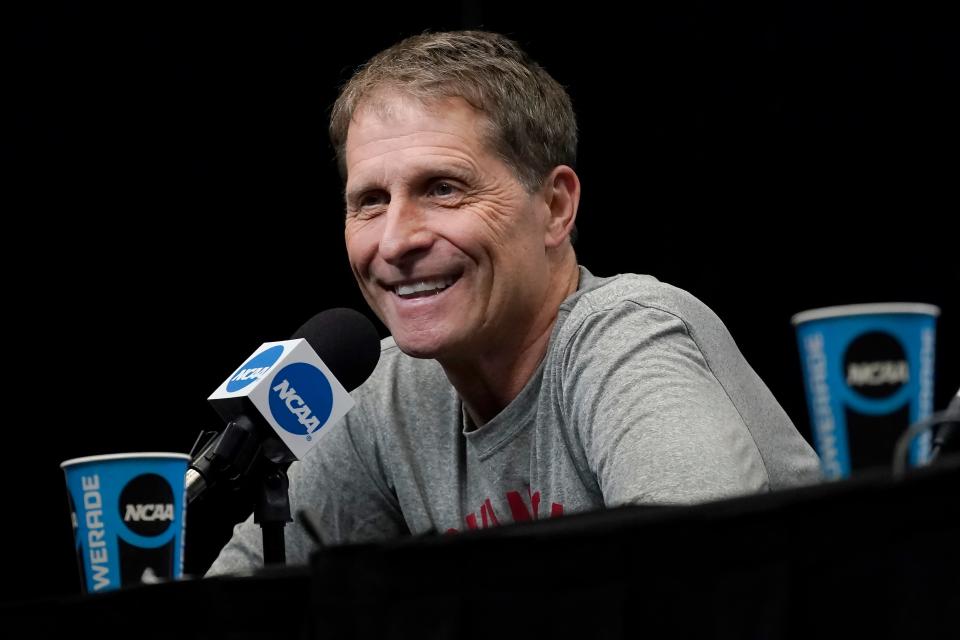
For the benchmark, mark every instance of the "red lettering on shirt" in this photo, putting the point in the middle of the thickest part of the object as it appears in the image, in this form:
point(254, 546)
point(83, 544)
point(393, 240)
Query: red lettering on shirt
point(519, 511)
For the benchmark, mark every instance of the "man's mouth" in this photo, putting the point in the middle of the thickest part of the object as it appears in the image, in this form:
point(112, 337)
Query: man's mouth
point(424, 288)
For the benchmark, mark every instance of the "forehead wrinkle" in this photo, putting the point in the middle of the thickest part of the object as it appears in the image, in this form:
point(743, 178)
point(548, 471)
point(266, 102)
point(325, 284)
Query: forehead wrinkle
point(406, 143)
point(380, 119)
point(420, 167)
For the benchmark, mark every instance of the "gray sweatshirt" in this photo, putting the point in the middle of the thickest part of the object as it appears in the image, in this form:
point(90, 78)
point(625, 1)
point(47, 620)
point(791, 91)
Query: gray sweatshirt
point(642, 397)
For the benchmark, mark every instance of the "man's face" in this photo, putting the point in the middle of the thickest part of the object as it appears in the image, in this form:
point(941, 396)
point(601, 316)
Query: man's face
point(446, 244)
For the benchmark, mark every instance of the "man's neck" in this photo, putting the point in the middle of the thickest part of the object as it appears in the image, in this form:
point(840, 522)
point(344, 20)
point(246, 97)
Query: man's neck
point(489, 383)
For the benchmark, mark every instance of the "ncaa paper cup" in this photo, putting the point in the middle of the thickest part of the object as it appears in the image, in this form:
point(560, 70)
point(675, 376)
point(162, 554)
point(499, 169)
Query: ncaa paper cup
point(129, 513)
point(868, 374)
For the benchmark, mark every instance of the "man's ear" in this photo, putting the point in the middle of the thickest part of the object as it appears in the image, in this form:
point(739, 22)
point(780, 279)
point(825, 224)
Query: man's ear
point(561, 192)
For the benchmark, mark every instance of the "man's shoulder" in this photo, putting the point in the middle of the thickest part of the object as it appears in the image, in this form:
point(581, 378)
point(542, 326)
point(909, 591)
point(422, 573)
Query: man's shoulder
point(632, 292)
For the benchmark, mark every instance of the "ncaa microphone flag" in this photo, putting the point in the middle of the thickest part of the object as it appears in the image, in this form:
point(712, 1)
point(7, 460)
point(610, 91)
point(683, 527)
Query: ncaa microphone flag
point(290, 387)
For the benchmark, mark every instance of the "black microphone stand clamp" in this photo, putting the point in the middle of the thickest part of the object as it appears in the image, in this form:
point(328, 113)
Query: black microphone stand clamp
point(232, 455)
point(272, 510)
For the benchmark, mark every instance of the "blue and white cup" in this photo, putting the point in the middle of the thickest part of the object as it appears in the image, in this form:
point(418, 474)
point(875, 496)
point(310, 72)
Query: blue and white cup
point(129, 515)
point(868, 374)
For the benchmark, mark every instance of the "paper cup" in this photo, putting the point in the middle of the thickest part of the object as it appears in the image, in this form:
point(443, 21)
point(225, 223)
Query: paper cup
point(129, 515)
point(868, 374)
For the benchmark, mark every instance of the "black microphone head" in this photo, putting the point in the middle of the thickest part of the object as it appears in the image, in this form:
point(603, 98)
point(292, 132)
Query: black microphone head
point(346, 341)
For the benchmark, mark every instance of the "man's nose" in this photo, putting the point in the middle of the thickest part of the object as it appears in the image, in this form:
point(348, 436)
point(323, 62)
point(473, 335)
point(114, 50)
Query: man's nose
point(406, 231)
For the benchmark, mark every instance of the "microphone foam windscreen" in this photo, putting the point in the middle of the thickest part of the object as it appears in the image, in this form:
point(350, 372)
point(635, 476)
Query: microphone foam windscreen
point(346, 341)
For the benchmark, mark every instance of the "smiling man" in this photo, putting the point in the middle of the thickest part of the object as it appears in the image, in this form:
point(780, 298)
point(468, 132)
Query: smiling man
point(515, 385)
point(461, 261)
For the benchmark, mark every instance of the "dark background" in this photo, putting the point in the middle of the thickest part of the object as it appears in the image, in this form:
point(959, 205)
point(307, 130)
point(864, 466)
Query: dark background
point(172, 200)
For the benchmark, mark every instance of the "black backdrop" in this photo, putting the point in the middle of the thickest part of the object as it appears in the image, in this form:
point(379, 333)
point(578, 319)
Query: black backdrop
point(173, 201)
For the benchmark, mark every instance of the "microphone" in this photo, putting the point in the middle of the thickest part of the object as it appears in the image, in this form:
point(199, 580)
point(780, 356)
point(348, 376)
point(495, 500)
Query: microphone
point(285, 393)
point(946, 435)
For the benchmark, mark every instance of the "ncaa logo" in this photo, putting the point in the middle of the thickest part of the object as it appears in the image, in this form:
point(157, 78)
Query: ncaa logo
point(876, 366)
point(301, 399)
point(254, 369)
point(146, 505)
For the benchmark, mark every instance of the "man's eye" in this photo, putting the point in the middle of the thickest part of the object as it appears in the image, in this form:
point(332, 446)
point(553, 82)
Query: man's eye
point(371, 200)
point(443, 189)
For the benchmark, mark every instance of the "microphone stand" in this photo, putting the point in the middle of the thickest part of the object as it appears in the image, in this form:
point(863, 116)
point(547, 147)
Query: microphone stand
point(948, 421)
point(232, 455)
point(272, 511)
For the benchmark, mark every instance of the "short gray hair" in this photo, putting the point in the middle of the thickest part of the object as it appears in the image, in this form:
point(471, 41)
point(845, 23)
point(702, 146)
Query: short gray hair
point(533, 127)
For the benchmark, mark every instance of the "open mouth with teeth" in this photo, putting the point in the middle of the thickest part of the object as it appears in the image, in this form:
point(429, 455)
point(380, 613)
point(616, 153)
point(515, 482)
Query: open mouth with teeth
point(424, 288)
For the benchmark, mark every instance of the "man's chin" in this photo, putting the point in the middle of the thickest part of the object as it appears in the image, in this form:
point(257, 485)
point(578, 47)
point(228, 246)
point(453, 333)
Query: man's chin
point(419, 347)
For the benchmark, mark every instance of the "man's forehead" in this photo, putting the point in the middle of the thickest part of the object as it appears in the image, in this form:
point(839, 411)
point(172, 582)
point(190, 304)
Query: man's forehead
point(399, 122)
point(394, 109)
point(411, 164)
